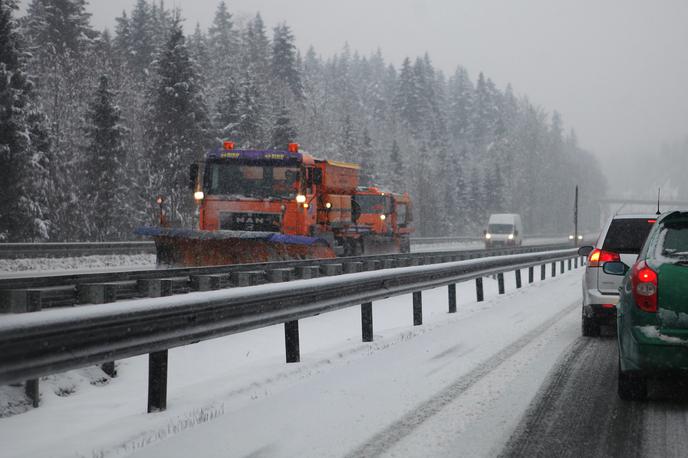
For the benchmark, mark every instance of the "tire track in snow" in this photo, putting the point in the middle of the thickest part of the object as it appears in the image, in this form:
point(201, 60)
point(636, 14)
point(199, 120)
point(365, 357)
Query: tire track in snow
point(395, 432)
point(577, 412)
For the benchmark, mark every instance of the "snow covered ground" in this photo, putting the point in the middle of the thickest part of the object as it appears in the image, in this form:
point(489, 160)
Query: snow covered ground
point(73, 264)
point(455, 386)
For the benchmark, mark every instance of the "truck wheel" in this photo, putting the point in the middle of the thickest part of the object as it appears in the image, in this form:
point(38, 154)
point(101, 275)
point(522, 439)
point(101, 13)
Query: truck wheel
point(631, 387)
point(589, 328)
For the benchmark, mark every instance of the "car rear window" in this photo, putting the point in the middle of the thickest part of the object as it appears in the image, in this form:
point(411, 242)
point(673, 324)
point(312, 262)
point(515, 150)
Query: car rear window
point(627, 235)
point(674, 238)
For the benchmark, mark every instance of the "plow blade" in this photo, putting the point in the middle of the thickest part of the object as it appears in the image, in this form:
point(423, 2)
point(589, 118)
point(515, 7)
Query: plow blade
point(192, 248)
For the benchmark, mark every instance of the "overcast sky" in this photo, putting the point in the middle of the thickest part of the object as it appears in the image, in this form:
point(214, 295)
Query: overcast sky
point(616, 69)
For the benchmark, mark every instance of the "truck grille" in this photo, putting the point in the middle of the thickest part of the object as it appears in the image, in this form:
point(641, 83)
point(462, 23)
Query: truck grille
point(248, 221)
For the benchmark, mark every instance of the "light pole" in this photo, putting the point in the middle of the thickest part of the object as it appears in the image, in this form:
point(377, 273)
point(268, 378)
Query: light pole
point(575, 219)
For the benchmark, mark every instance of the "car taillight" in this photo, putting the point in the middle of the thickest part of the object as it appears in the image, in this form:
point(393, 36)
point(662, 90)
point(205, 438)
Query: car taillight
point(598, 257)
point(644, 285)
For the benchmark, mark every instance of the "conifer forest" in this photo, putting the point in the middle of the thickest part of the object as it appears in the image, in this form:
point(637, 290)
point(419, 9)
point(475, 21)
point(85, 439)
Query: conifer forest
point(95, 124)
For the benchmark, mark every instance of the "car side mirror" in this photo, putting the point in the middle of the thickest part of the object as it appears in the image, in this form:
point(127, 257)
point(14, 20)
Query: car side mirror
point(585, 250)
point(484, 231)
point(615, 268)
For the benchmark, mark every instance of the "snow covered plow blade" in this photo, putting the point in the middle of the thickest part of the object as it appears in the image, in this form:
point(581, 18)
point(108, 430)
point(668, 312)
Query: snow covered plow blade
point(191, 248)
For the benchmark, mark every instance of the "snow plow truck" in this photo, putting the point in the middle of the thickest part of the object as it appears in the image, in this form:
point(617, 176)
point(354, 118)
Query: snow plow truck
point(274, 205)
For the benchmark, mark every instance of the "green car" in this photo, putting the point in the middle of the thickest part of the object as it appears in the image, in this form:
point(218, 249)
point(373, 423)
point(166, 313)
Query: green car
point(652, 316)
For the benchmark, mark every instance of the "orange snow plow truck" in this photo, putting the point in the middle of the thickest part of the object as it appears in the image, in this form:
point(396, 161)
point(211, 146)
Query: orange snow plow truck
point(260, 206)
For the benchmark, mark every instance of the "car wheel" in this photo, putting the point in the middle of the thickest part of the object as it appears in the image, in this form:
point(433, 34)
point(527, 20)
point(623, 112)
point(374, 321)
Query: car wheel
point(631, 387)
point(589, 328)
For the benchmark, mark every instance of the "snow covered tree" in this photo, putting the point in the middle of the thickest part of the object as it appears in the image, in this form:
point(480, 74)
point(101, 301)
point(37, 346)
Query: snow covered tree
point(257, 47)
point(283, 132)
point(223, 49)
point(284, 67)
point(249, 129)
point(178, 127)
point(106, 182)
point(227, 114)
point(198, 48)
point(141, 43)
point(59, 26)
point(23, 143)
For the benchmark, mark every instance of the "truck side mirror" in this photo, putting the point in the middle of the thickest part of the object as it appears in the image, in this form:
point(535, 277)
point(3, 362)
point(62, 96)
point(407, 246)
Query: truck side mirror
point(193, 176)
point(317, 176)
point(516, 233)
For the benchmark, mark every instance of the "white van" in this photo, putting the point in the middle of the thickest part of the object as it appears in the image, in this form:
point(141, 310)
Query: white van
point(504, 229)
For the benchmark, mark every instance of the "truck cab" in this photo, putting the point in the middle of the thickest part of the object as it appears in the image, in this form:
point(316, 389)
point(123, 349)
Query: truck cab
point(253, 190)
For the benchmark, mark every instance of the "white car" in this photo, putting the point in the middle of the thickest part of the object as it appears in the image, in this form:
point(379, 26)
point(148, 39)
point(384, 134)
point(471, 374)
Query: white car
point(620, 240)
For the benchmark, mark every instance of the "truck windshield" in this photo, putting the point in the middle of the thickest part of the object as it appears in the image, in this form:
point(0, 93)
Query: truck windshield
point(500, 228)
point(262, 181)
point(372, 204)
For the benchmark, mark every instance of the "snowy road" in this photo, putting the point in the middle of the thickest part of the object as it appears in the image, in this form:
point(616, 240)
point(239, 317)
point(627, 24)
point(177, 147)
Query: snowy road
point(578, 413)
point(510, 376)
point(460, 386)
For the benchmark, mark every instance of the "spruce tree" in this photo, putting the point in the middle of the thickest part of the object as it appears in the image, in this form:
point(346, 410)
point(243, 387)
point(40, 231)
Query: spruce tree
point(23, 143)
point(178, 128)
point(249, 129)
point(227, 114)
point(59, 26)
point(284, 132)
point(141, 39)
point(284, 66)
point(105, 179)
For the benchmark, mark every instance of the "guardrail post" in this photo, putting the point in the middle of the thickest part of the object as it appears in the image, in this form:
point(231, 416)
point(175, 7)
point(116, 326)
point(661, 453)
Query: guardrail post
point(157, 381)
point(554, 269)
point(569, 262)
point(542, 271)
point(452, 297)
point(479, 289)
point(367, 321)
point(575, 262)
point(561, 266)
point(531, 272)
point(32, 391)
point(500, 282)
point(291, 341)
point(518, 278)
point(417, 308)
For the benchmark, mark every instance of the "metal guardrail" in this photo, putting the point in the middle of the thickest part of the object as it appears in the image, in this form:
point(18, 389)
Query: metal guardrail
point(37, 344)
point(46, 290)
point(58, 250)
point(456, 239)
point(73, 249)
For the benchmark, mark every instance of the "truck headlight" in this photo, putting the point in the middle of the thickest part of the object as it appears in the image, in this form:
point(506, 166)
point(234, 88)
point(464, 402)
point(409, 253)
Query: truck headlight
point(198, 195)
point(511, 236)
point(383, 217)
point(300, 198)
point(488, 236)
